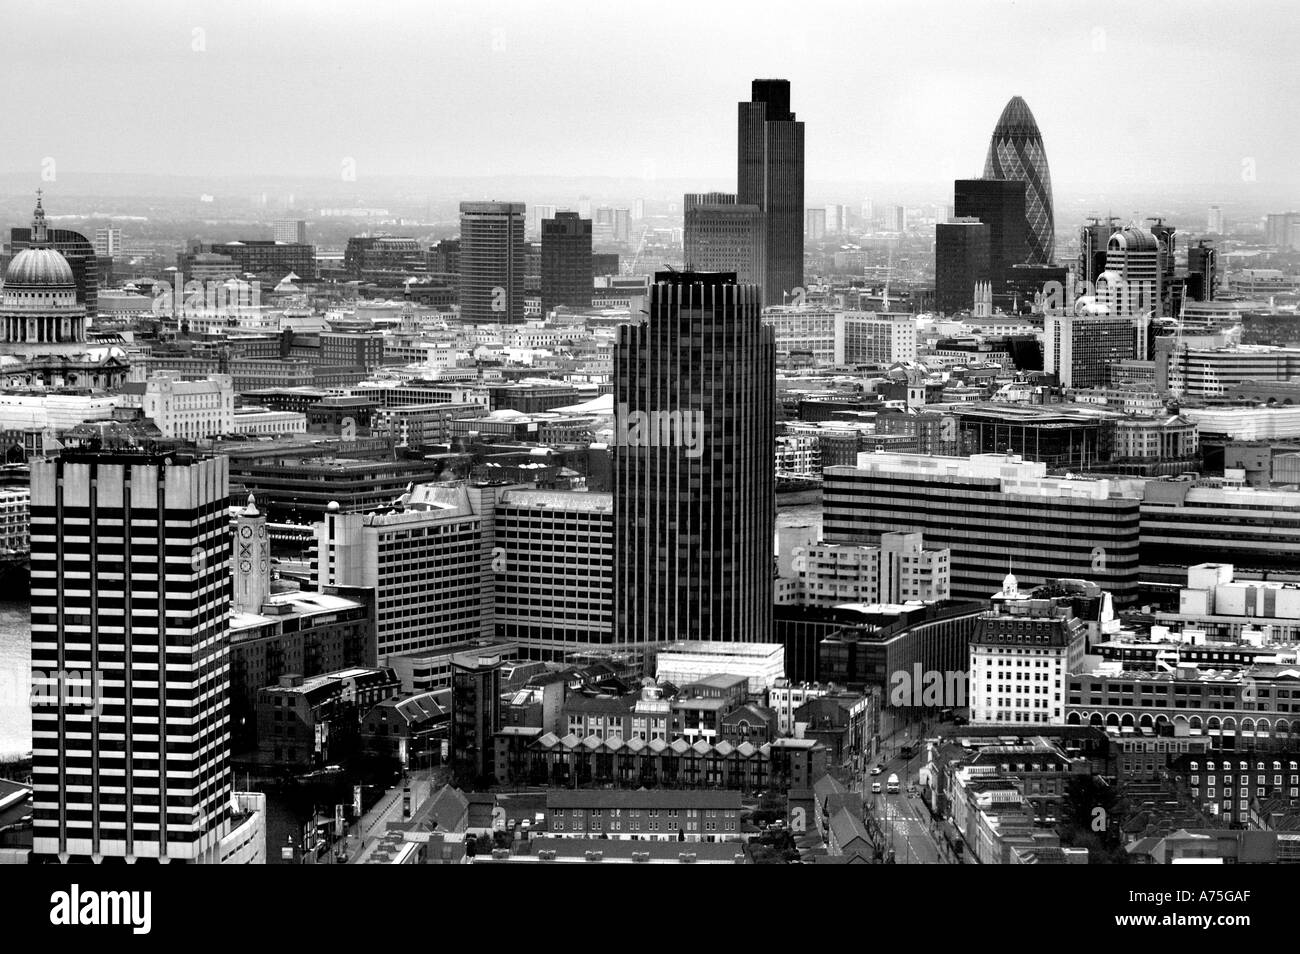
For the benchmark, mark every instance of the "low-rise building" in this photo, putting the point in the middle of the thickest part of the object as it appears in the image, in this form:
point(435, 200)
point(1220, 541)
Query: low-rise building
point(660, 815)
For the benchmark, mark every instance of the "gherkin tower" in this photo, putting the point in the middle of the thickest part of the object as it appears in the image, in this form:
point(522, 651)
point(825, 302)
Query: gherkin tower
point(1016, 152)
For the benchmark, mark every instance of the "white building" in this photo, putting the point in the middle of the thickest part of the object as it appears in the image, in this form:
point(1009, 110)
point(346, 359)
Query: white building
point(54, 411)
point(785, 697)
point(803, 329)
point(1020, 658)
point(899, 570)
point(259, 420)
point(688, 661)
point(1247, 423)
point(245, 843)
point(15, 519)
point(868, 337)
point(190, 410)
point(431, 566)
point(1253, 611)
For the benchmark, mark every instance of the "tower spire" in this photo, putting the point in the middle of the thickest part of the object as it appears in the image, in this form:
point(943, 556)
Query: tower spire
point(40, 234)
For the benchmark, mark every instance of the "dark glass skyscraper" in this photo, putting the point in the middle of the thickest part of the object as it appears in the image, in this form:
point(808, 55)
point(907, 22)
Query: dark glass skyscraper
point(694, 482)
point(999, 204)
point(769, 174)
point(566, 261)
point(1016, 152)
point(961, 259)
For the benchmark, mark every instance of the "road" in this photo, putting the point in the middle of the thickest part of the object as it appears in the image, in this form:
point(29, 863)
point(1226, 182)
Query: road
point(903, 817)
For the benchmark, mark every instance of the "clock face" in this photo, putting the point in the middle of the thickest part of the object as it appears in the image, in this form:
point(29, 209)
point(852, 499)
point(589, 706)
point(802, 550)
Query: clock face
point(245, 566)
point(263, 565)
point(245, 532)
point(261, 531)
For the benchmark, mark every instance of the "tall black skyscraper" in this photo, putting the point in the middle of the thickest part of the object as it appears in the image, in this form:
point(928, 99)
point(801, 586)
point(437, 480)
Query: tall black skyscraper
point(694, 482)
point(1202, 271)
point(769, 174)
point(999, 204)
point(1016, 152)
point(961, 260)
point(566, 261)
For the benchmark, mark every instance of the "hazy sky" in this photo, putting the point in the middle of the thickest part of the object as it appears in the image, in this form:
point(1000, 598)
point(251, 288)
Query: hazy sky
point(890, 91)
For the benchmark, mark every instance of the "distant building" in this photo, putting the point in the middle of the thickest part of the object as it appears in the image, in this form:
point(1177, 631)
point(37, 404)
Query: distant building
point(491, 288)
point(566, 262)
point(723, 236)
point(190, 410)
point(899, 570)
point(770, 175)
point(879, 338)
point(293, 231)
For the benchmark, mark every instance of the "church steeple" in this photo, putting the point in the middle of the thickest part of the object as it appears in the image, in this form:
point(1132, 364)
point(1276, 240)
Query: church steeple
point(40, 235)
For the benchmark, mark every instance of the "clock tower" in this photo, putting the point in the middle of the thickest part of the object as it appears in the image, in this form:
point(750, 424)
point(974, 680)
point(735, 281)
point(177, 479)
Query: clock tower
point(252, 560)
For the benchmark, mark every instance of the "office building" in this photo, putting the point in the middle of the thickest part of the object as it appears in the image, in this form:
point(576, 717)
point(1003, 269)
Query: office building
point(1080, 348)
point(815, 224)
point(293, 231)
point(900, 569)
point(190, 410)
point(554, 565)
point(566, 262)
point(1016, 152)
point(1135, 276)
point(1001, 204)
point(108, 242)
point(1214, 221)
point(874, 338)
point(961, 263)
point(1185, 524)
point(269, 260)
point(141, 772)
point(803, 334)
point(1280, 230)
point(723, 236)
point(1021, 655)
point(429, 562)
point(694, 487)
point(993, 512)
point(491, 258)
point(1093, 241)
point(475, 714)
point(770, 175)
point(1202, 271)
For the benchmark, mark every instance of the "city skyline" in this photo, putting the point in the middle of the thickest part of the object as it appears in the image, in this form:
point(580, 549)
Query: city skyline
point(929, 116)
point(571, 434)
